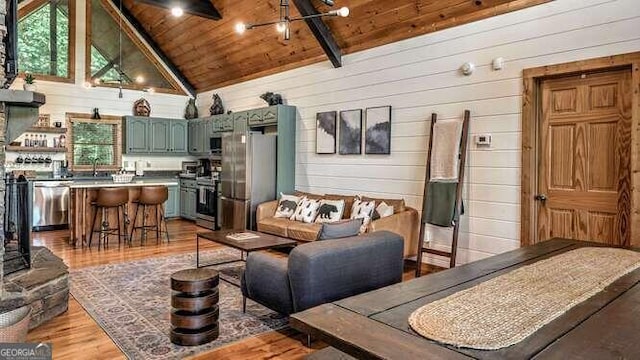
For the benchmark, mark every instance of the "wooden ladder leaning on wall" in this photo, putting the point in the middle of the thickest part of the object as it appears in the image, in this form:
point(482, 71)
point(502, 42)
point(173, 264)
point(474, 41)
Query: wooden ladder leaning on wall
point(462, 155)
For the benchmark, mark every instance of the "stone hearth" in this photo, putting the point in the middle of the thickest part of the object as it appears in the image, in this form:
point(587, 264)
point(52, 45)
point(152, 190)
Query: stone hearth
point(45, 286)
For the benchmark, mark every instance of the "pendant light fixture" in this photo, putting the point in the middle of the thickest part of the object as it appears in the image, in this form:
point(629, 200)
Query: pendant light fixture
point(120, 73)
point(283, 24)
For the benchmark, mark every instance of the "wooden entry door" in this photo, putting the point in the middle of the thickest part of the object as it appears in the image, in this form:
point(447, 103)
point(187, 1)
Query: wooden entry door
point(584, 158)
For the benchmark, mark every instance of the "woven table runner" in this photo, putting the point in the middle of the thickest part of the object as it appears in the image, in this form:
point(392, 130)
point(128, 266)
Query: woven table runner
point(505, 310)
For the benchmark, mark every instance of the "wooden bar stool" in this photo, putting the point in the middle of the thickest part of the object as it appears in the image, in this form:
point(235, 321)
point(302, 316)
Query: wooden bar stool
point(155, 197)
point(107, 199)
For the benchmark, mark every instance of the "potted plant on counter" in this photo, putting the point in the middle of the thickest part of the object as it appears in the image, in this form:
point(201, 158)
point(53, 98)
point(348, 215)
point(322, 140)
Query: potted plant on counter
point(29, 82)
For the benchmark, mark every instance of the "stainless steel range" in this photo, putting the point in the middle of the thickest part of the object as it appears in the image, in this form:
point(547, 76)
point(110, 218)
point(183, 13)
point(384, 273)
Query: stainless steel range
point(208, 203)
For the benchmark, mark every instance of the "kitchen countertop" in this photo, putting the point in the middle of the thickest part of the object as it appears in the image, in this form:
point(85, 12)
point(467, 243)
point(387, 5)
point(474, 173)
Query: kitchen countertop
point(88, 184)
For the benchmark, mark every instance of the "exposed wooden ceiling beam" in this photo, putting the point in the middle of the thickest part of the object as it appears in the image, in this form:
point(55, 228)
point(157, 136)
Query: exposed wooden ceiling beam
point(202, 8)
point(165, 59)
point(321, 32)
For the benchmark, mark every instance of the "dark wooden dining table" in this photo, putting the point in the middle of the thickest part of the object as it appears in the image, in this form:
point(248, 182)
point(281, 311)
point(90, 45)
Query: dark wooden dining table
point(375, 325)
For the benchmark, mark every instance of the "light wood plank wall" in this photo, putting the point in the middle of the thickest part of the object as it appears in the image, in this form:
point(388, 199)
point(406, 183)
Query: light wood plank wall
point(420, 76)
point(74, 97)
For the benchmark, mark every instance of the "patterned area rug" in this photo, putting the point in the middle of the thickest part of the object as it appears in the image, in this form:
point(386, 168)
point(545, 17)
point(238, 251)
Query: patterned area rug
point(132, 302)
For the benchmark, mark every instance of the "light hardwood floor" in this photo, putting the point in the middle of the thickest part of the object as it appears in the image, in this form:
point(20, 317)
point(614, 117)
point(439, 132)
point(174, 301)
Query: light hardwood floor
point(75, 334)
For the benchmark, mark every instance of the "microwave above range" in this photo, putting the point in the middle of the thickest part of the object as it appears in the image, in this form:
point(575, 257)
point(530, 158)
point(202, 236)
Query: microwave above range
point(215, 144)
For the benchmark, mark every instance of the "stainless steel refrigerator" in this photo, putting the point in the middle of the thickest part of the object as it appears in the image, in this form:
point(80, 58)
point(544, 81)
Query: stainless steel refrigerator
point(248, 176)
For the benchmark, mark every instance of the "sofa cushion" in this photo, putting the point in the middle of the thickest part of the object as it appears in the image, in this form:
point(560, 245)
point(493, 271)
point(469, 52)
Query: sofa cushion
point(274, 226)
point(287, 205)
point(341, 229)
point(398, 204)
point(348, 203)
point(363, 210)
point(303, 232)
point(330, 211)
point(307, 210)
point(383, 210)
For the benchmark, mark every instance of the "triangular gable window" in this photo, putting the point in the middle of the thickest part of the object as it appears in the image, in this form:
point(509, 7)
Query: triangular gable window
point(45, 45)
point(111, 50)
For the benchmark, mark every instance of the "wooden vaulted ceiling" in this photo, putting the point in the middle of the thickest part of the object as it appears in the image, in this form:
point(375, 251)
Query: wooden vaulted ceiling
point(210, 54)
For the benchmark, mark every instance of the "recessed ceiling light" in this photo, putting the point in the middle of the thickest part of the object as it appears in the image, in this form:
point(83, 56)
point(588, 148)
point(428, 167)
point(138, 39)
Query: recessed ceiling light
point(139, 79)
point(177, 11)
point(241, 28)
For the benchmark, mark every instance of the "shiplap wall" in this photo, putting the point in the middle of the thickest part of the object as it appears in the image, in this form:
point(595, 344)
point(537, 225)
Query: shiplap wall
point(75, 98)
point(420, 76)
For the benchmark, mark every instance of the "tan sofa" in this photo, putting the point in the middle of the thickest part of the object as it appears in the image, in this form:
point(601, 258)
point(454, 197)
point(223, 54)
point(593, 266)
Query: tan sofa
point(404, 222)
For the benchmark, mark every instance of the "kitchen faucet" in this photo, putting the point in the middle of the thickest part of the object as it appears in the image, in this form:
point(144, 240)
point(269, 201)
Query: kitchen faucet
point(95, 164)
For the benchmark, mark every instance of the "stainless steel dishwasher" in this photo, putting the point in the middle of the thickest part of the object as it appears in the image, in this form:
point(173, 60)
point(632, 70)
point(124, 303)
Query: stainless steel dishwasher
point(51, 205)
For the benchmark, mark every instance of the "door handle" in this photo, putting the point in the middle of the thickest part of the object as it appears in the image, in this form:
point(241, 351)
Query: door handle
point(540, 197)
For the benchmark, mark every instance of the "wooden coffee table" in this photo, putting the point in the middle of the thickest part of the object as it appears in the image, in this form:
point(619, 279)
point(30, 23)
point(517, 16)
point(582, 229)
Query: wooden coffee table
point(262, 242)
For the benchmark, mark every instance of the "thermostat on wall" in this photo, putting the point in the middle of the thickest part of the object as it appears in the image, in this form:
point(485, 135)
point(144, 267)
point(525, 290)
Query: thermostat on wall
point(483, 140)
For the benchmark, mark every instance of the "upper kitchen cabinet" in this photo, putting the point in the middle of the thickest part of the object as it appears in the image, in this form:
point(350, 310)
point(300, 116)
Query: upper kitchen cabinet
point(147, 135)
point(179, 136)
point(199, 133)
point(240, 120)
point(266, 116)
point(136, 139)
point(160, 135)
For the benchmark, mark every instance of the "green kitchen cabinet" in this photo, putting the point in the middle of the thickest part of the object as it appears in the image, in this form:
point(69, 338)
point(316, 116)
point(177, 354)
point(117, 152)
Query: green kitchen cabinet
point(270, 115)
point(179, 136)
point(136, 135)
point(160, 131)
point(263, 116)
point(184, 196)
point(188, 199)
point(216, 125)
point(227, 122)
point(254, 117)
point(155, 136)
point(192, 204)
point(172, 205)
point(199, 133)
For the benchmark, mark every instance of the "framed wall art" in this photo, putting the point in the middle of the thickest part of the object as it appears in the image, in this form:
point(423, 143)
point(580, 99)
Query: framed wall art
point(378, 130)
point(326, 132)
point(350, 132)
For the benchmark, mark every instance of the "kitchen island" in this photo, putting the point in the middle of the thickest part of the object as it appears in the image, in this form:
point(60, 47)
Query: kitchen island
point(84, 192)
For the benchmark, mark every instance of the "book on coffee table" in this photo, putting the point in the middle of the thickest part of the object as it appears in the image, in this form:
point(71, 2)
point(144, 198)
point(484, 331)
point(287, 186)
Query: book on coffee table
point(242, 236)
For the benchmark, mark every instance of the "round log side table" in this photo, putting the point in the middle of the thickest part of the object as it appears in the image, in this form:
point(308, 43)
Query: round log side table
point(194, 318)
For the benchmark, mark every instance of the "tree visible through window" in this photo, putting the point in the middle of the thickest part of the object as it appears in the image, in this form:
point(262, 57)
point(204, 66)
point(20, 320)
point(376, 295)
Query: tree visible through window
point(43, 39)
point(116, 52)
point(95, 142)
